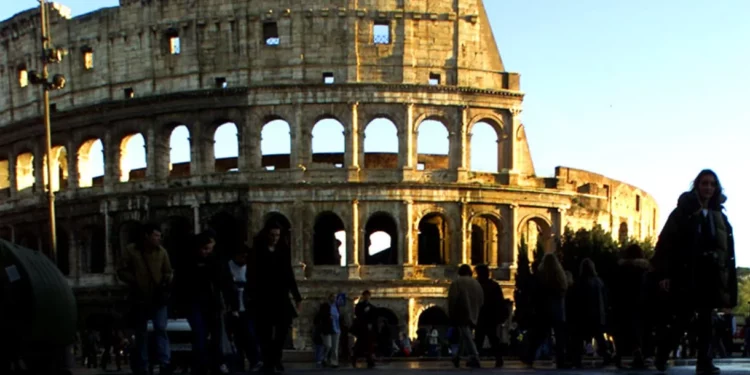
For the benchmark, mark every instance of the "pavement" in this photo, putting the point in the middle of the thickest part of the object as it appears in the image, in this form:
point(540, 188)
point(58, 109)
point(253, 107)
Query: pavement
point(728, 367)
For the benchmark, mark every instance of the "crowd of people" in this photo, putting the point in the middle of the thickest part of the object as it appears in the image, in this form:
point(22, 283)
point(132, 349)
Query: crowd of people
point(239, 308)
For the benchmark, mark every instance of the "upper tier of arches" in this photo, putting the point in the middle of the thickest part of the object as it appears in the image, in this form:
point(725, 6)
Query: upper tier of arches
point(349, 141)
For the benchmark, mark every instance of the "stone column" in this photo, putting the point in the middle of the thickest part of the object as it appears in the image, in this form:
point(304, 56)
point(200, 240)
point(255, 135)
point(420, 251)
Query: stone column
point(352, 153)
point(196, 217)
point(153, 149)
point(108, 251)
point(72, 158)
point(253, 142)
point(408, 255)
point(464, 232)
point(353, 253)
point(196, 154)
point(39, 168)
point(300, 259)
point(301, 152)
point(244, 140)
point(12, 175)
point(407, 153)
point(512, 148)
point(558, 227)
point(75, 271)
point(513, 240)
point(112, 173)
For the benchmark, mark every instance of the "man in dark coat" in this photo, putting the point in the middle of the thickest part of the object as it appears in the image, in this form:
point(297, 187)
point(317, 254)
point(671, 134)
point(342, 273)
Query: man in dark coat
point(274, 282)
point(695, 262)
point(363, 327)
point(492, 313)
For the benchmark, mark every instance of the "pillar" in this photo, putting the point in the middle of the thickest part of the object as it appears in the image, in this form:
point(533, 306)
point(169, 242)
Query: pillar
point(512, 237)
point(352, 152)
point(301, 152)
point(253, 141)
point(196, 150)
point(38, 163)
point(406, 137)
point(463, 232)
point(558, 227)
point(512, 148)
point(409, 257)
point(244, 140)
point(12, 175)
point(196, 217)
point(354, 256)
point(153, 151)
point(72, 157)
point(108, 252)
point(112, 148)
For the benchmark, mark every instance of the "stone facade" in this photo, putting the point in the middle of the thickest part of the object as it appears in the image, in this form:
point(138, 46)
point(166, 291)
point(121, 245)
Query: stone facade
point(147, 67)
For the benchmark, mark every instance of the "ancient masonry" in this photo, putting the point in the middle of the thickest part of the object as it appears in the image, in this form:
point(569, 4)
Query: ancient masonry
point(146, 67)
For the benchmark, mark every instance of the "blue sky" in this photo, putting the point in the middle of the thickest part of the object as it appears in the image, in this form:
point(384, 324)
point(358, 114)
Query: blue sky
point(648, 92)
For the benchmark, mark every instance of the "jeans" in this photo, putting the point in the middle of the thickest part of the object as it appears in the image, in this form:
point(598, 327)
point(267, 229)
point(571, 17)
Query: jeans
point(205, 352)
point(243, 329)
point(159, 318)
point(489, 331)
point(466, 343)
point(331, 351)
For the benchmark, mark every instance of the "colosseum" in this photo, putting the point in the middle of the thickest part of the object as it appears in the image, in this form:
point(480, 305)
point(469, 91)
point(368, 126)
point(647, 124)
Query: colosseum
point(358, 92)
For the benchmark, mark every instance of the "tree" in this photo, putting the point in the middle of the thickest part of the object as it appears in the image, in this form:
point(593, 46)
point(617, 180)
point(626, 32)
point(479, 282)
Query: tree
point(743, 292)
point(538, 255)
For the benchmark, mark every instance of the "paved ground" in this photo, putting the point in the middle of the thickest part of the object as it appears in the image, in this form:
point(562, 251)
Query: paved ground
point(445, 368)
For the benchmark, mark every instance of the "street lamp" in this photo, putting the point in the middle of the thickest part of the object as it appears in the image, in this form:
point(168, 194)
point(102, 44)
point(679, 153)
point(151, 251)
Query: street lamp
point(50, 55)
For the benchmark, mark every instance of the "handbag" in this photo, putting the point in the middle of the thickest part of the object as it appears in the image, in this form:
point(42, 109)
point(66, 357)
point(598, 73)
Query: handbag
point(161, 293)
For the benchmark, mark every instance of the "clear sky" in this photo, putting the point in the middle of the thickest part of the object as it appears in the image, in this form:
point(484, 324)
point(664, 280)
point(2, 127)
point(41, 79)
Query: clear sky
point(648, 92)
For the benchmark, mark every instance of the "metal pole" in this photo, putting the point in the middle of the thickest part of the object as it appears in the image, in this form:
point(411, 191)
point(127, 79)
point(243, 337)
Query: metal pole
point(48, 130)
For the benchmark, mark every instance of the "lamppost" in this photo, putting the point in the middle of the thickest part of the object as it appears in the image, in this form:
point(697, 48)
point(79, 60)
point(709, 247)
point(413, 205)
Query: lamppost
point(50, 55)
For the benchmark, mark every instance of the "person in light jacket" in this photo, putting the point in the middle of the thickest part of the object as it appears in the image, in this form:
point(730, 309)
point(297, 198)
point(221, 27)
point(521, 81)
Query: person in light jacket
point(465, 300)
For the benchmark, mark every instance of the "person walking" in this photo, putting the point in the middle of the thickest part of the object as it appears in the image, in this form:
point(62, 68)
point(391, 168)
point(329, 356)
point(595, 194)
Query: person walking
point(242, 309)
point(590, 296)
point(549, 291)
point(329, 323)
point(146, 270)
point(199, 285)
point(695, 262)
point(465, 300)
point(492, 314)
point(274, 282)
point(363, 329)
point(629, 303)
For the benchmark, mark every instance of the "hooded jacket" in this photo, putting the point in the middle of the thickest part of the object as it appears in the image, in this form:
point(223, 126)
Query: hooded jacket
point(696, 253)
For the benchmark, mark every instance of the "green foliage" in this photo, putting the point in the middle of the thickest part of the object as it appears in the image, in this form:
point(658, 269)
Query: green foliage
point(743, 292)
point(538, 255)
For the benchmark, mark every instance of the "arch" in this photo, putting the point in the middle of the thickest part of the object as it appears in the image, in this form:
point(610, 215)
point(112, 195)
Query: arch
point(381, 239)
point(433, 139)
point(133, 157)
point(281, 220)
point(25, 171)
point(484, 148)
point(486, 239)
point(387, 323)
point(179, 151)
point(93, 248)
point(226, 147)
point(381, 137)
point(328, 142)
point(176, 234)
point(491, 119)
point(622, 232)
point(536, 229)
point(90, 163)
point(275, 144)
point(229, 232)
point(329, 240)
point(433, 316)
point(432, 240)
point(59, 169)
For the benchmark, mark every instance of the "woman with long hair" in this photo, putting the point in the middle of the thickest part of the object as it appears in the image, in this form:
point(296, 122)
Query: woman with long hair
point(695, 263)
point(551, 286)
point(590, 299)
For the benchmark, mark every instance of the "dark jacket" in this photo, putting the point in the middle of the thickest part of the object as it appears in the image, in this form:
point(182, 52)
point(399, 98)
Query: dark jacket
point(696, 253)
point(549, 300)
point(629, 292)
point(323, 319)
point(365, 315)
point(493, 311)
point(590, 297)
point(200, 282)
point(273, 282)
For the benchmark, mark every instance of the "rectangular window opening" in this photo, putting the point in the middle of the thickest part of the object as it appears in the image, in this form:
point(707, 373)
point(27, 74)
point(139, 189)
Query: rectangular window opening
point(381, 32)
point(129, 93)
point(270, 167)
point(271, 34)
point(88, 60)
point(174, 45)
point(23, 77)
point(638, 203)
point(328, 78)
point(221, 83)
point(420, 166)
point(338, 165)
point(434, 79)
